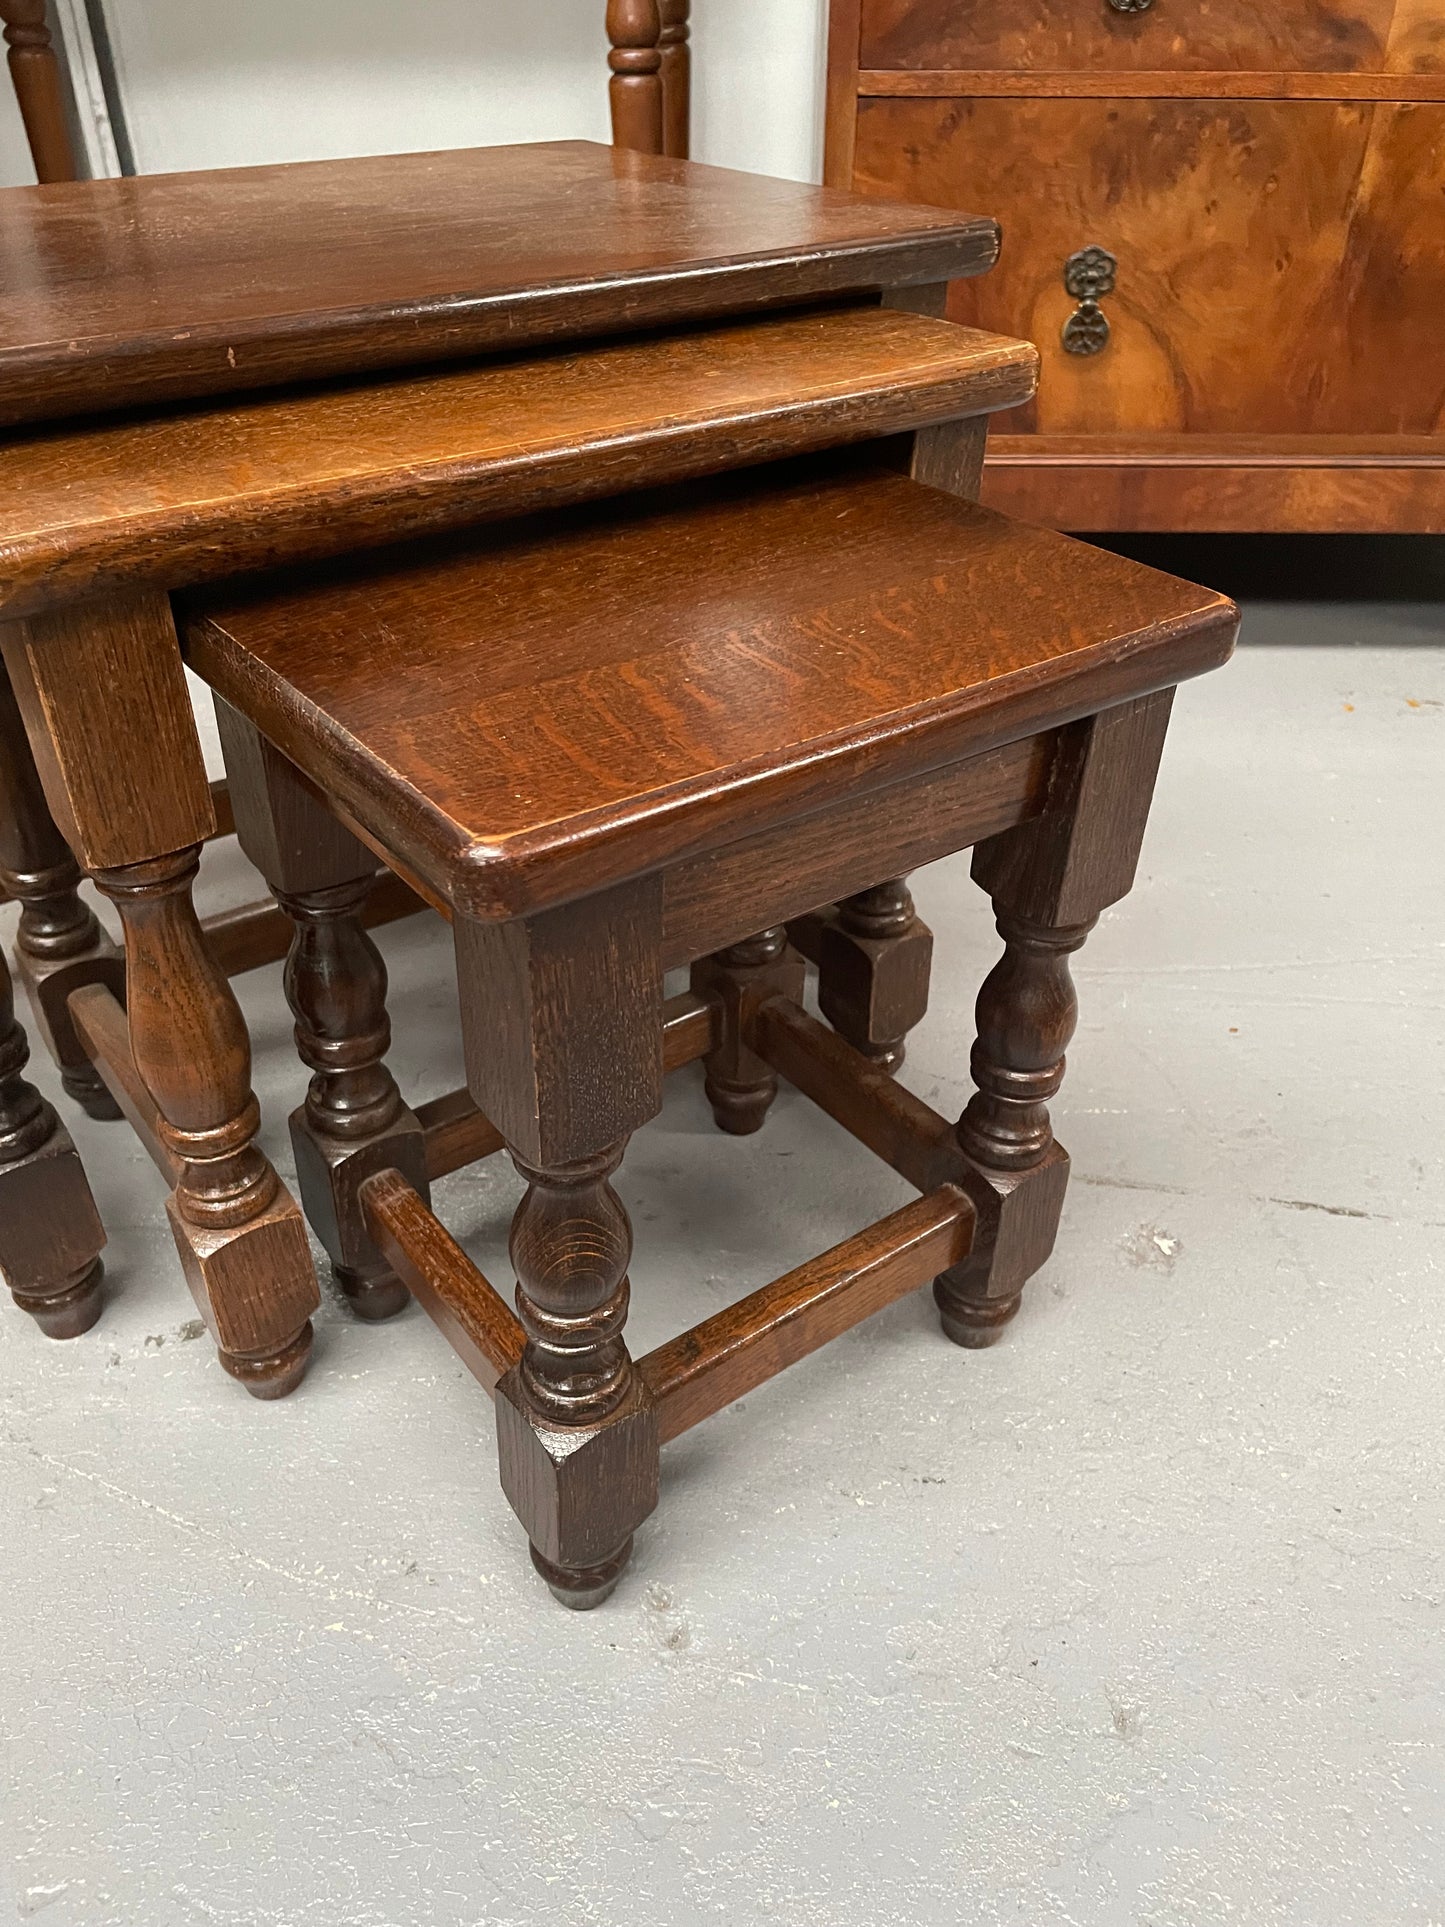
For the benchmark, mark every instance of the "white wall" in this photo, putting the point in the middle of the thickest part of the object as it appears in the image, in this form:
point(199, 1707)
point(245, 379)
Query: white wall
point(15, 168)
point(217, 83)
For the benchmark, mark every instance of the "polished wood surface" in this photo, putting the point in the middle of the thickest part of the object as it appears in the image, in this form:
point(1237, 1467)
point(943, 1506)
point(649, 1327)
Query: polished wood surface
point(650, 92)
point(50, 1232)
point(566, 723)
point(548, 687)
point(1327, 485)
point(186, 495)
point(1368, 36)
point(953, 83)
point(108, 713)
point(59, 943)
point(39, 91)
point(480, 1325)
point(635, 91)
point(180, 285)
point(1279, 262)
point(1268, 181)
point(705, 1369)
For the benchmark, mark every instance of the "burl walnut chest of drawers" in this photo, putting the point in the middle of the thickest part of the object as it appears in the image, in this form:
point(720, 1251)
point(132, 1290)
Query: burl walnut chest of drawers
point(1224, 225)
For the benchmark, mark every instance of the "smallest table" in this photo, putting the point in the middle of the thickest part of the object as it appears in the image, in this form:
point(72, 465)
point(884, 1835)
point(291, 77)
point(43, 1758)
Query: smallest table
point(650, 733)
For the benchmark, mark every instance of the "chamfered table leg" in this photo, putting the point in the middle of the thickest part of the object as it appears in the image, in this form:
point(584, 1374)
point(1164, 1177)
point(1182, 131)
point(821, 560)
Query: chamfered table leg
point(104, 700)
point(354, 1122)
point(1049, 879)
point(50, 1231)
point(562, 1029)
point(60, 945)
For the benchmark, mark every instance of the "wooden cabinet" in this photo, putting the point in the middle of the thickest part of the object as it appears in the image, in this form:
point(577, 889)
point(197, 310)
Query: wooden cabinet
point(1267, 188)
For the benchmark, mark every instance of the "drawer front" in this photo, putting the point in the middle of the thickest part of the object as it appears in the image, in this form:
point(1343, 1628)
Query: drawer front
point(1280, 267)
point(1289, 36)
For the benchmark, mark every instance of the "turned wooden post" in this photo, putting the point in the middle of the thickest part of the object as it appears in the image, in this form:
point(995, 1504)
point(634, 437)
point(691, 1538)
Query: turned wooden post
point(35, 73)
point(59, 945)
point(50, 1231)
point(634, 28)
point(562, 1028)
point(354, 1122)
point(108, 715)
point(874, 958)
point(1049, 879)
point(676, 78)
point(740, 1085)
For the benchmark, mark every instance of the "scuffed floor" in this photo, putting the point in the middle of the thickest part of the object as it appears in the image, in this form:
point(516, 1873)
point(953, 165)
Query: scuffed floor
point(1139, 1618)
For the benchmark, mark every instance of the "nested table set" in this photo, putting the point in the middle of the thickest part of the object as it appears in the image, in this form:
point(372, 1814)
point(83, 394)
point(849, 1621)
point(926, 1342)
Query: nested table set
point(593, 559)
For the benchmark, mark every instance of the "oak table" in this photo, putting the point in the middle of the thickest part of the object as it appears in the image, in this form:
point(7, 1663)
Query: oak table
point(151, 294)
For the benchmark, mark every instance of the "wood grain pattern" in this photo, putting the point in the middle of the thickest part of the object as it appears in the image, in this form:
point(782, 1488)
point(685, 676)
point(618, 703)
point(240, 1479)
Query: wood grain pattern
point(181, 285)
point(86, 675)
point(1369, 36)
point(1279, 261)
point(623, 715)
point(185, 496)
point(461, 1301)
point(951, 83)
point(840, 107)
point(101, 1022)
point(705, 1369)
point(59, 943)
point(457, 1133)
point(50, 1232)
point(1302, 490)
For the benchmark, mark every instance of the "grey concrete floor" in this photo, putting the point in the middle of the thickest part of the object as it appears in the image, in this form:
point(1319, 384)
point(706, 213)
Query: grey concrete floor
point(1138, 1618)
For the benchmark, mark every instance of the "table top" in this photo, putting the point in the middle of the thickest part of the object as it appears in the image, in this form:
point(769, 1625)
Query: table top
point(184, 495)
point(124, 292)
point(595, 692)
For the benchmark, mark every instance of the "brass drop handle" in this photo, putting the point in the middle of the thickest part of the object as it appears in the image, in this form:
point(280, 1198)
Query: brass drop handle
point(1088, 275)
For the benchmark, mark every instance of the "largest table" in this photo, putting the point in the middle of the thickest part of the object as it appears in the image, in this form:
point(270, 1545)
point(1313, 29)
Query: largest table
point(164, 296)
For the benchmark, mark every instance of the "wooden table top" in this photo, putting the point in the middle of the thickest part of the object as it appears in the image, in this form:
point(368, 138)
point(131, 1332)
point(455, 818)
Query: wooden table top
point(188, 494)
point(649, 677)
point(119, 292)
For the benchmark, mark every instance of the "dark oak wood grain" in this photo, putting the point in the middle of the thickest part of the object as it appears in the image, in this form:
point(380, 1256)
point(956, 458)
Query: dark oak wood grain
point(647, 721)
point(50, 1232)
point(479, 1324)
point(108, 716)
point(180, 285)
point(528, 767)
point(59, 944)
point(177, 498)
point(705, 1369)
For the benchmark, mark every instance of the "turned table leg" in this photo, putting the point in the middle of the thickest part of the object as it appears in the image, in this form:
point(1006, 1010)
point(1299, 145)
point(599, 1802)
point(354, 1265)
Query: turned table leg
point(354, 1122)
point(1049, 879)
point(106, 709)
point(50, 1231)
point(874, 952)
point(60, 945)
point(874, 958)
point(740, 1086)
point(562, 1026)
